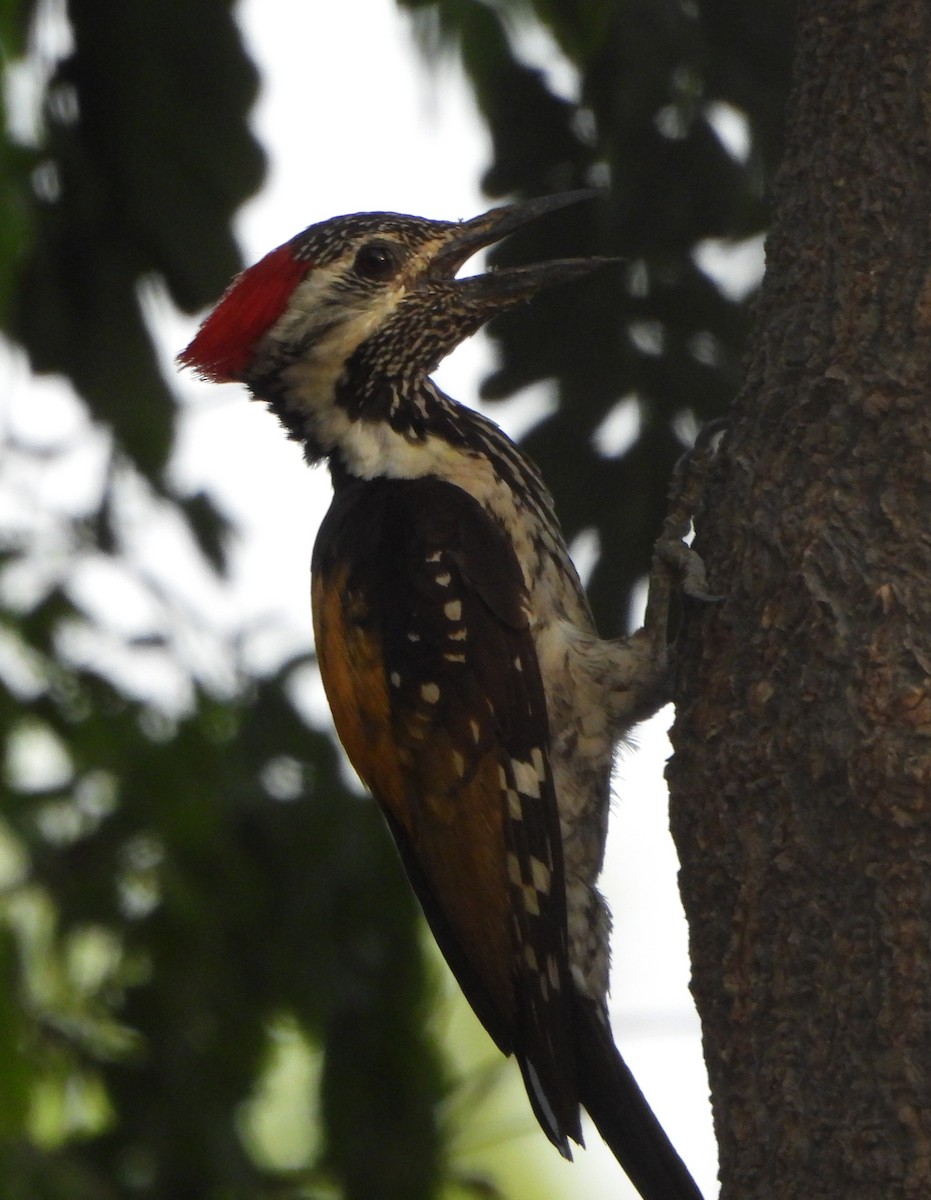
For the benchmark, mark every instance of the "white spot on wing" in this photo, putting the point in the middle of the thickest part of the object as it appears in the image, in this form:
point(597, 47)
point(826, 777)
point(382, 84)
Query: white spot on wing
point(527, 778)
point(540, 873)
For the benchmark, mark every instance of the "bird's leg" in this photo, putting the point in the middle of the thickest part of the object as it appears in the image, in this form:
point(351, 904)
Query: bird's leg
point(635, 670)
point(675, 563)
point(689, 479)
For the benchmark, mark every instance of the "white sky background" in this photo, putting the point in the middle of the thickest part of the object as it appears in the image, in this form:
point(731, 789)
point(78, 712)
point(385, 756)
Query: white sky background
point(394, 138)
point(353, 122)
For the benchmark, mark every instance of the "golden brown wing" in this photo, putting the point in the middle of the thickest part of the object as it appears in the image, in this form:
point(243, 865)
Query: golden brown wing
point(431, 674)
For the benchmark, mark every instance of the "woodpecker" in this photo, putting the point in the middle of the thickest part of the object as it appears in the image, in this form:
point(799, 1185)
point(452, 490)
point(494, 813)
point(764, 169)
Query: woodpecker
point(458, 653)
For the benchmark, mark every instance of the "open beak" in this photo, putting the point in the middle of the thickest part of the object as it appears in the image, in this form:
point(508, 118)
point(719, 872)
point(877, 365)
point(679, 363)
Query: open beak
point(510, 284)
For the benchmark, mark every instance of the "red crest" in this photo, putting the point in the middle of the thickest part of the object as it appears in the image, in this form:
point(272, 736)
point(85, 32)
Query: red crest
point(223, 347)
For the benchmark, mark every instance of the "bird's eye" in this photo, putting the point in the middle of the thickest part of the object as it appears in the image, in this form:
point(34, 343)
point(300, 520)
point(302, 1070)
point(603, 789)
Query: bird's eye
point(377, 260)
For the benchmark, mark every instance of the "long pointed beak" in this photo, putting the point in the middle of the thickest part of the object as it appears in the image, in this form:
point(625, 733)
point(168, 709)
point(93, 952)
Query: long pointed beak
point(509, 284)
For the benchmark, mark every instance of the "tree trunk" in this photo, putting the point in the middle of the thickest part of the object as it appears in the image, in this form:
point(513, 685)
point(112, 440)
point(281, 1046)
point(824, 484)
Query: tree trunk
point(801, 782)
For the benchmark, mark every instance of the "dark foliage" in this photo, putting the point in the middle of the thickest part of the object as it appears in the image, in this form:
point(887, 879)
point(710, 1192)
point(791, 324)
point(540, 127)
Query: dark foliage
point(651, 73)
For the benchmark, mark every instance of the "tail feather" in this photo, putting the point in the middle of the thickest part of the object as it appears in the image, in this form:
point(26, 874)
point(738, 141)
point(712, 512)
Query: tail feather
point(614, 1101)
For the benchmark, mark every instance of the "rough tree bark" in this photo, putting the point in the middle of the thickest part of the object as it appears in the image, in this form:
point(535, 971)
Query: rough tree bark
point(801, 780)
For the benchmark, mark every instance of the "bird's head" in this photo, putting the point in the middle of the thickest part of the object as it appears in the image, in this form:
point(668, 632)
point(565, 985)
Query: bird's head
point(355, 310)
